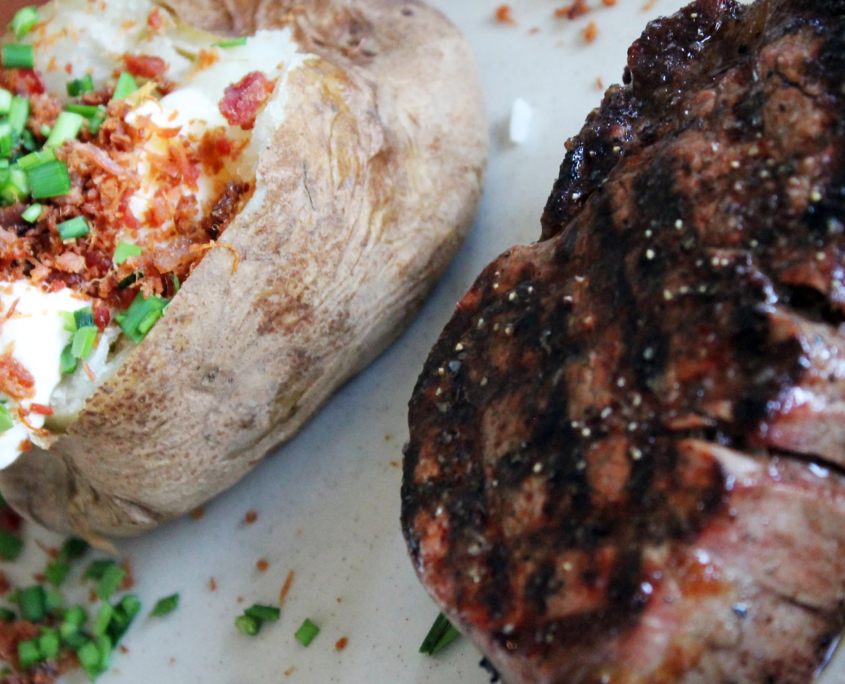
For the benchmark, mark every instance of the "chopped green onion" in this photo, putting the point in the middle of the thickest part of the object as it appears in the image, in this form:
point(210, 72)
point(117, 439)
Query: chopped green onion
point(141, 315)
point(441, 634)
point(28, 141)
point(97, 569)
point(15, 188)
point(176, 285)
point(6, 422)
point(88, 111)
point(90, 659)
point(7, 615)
point(5, 101)
point(53, 600)
point(104, 616)
point(69, 318)
point(80, 86)
point(32, 603)
point(49, 643)
point(49, 180)
point(124, 613)
point(25, 18)
point(76, 615)
point(56, 572)
point(16, 56)
point(96, 121)
point(83, 317)
point(306, 633)
point(264, 613)
point(36, 159)
point(248, 625)
point(32, 213)
point(83, 341)
point(18, 114)
point(230, 42)
point(10, 544)
point(67, 361)
point(7, 140)
point(29, 653)
point(110, 581)
point(166, 605)
point(105, 647)
point(125, 86)
point(124, 250)
point(73, 548)
point(67, 128)
point(74, 228)
point(45, 130)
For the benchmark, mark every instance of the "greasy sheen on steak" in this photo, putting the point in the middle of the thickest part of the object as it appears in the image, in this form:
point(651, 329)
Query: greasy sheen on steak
point(628, 446)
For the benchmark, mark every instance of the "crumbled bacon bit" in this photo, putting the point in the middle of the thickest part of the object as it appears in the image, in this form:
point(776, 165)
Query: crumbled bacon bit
point(590, 32)
point(290, 670)
point(262, 565)
point(102, 316)
point(197, 513)
point(242, 100)
point(123, 649)
point(5, 584)
point(599, 84)
point(41, 409)
point(340, 644)
point(504, 14)
point(250, 517)
point(25, 445)
point(154, 20)
point(212, 584)
point(128, 579)
point(23, 82)
point(144, 66)
point(10, 520)
point(573, 11)
point(205, 59)
point(649, 5)
point(608, 3)
point(286, 587)
point(15, 380)
point(69, 69)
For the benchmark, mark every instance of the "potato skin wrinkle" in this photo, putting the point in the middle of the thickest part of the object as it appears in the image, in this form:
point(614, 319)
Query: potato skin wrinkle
point(370, 184)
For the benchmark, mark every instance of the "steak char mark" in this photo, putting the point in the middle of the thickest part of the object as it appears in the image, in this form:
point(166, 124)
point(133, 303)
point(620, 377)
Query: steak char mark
point(627, 453)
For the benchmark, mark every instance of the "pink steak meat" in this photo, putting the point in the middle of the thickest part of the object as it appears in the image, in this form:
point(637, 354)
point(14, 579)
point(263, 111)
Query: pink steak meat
point(627, 453)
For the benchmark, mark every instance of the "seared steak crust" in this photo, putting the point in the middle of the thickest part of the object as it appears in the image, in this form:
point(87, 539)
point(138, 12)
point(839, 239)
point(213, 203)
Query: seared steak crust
point(627, 446)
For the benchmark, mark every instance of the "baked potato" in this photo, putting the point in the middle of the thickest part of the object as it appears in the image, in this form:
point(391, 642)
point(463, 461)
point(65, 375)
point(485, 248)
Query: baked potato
point(360, 175)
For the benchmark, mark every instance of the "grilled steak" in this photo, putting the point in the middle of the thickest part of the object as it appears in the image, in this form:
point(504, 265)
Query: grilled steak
point(627, 447)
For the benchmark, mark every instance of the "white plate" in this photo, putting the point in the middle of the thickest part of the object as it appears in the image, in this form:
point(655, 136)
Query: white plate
point(328, 502)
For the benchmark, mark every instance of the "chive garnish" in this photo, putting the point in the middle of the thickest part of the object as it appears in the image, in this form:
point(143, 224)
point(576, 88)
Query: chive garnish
point(36, 159)
point(73, 549)
point(56, 572)
point(125, 86)
point(441, 634)
point(80, 86)
point(29, 653)
point(7, 140)
point(23, 21)
point(263, 613)
point(10, 544)
point(88, 111)
point(15, 187)
point(16, 56)
point(50, 179)
point(5, 101)
point(32, 213)
point(74, 228)
point(110, 581)
point(141, 315)
point(7, 615)
point(248, 625)
point(6, 422)
point(48, 643)
point(306, 633)
point(67, 361)
point(32, 603)
point(124, 250)
point(83, 342)
point(83, 317)
point(97, 569)
point(67, 128)
point(104, 616)
point(230, 42)
point(165, 605)
point(18, 114)
point(89, 659)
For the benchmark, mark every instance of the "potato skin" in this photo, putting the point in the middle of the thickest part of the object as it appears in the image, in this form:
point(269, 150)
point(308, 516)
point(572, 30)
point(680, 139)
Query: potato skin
point(372, 181)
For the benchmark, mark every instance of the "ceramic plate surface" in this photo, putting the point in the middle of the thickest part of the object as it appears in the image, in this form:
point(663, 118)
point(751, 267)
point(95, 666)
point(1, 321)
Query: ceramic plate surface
point(328, 502)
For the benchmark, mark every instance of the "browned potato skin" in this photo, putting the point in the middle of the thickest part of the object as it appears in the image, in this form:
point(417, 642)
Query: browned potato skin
point(373, 181)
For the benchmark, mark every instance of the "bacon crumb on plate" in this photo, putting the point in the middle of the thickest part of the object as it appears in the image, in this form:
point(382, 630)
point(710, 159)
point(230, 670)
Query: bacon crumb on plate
point(243, 100)
point(504, 14)
point(286, 587)
point(573, 11)
point(590, 32)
